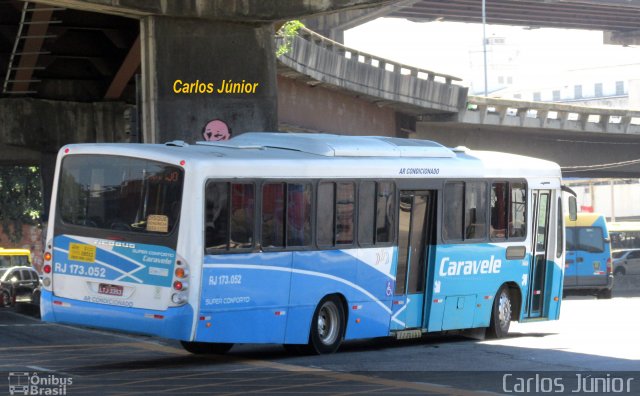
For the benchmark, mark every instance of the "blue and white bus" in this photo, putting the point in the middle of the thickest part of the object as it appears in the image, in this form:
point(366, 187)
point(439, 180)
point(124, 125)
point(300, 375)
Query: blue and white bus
point(305, 240)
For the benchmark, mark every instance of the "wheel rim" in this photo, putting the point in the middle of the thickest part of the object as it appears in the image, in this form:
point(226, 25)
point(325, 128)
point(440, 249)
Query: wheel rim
point(328, 323)
point(5, 299)
point(504, 310)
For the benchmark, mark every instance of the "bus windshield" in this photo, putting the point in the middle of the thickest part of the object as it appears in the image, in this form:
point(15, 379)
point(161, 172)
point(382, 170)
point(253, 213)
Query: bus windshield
point(120, 193)
point(589, 239)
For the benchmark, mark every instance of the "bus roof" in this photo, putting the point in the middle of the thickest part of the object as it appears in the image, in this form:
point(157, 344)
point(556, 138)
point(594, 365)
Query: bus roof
point(585, 220)
point(14, 252)
point(326, 155)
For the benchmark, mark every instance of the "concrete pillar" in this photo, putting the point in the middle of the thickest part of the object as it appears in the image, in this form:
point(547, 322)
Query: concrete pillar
point(196, 57)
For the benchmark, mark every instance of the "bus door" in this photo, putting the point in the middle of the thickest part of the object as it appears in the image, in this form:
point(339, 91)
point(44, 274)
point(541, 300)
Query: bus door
point(538, 268)
point(416, 223)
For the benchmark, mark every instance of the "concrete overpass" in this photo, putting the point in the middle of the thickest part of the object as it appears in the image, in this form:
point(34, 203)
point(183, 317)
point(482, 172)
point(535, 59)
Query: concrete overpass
point(585, 141)
point(618, 19)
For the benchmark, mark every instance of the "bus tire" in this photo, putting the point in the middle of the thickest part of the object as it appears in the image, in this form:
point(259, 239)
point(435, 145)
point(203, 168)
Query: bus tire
point(206, 348)
point(604, 294)
point(501, 314)
point(327, 326)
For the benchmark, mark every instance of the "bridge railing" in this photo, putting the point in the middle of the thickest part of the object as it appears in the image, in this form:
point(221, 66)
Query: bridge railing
point(506, 112)
point(382, 81)
point(374, 60)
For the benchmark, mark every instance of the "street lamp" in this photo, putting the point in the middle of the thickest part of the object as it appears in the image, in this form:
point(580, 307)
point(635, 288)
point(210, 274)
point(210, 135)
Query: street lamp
point(484, 44)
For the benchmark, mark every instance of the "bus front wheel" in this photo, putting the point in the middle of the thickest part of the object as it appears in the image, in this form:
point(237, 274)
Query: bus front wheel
point(206, 348)
point(327, 326)
point(501, 314)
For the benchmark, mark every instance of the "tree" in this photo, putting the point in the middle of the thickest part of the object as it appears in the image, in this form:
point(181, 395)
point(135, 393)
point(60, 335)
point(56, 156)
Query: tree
point(20, 199)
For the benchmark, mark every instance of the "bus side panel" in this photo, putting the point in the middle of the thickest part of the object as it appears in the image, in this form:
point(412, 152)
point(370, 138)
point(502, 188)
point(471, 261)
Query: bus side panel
point(244, 298)
point(318, 274)
point(463, 268)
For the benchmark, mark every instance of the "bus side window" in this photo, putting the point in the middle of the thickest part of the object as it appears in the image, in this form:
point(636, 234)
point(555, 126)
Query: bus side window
point(229, 213)
point(499, 210)
point(326, 214)
point(475, 219)
point(273, 211)
point(453, 213)
point(298, 214)
point(216, 216)
point(345, 206)
point(385, 212)
point(366, 211)
point(242, 215)
point(518, 212)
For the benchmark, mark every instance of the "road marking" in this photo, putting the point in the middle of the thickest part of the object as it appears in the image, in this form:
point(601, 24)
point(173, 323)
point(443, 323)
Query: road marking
point(420, 386)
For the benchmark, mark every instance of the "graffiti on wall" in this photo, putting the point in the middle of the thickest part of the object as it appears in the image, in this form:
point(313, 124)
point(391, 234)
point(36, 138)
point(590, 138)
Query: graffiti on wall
point(216, 130)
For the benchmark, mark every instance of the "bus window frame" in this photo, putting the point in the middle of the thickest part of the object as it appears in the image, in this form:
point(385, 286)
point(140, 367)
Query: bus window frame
point(285, 248)
point(487, 238)
point(509, 182)
point(356, 205)
point(394, 226)
point(228, 249)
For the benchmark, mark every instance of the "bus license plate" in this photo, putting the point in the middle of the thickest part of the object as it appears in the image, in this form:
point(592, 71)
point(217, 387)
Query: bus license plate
point(112, 290)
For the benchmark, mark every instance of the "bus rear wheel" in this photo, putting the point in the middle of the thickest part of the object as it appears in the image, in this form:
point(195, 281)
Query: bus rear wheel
point(501, 314)
point(206, 348)
point(327, 326)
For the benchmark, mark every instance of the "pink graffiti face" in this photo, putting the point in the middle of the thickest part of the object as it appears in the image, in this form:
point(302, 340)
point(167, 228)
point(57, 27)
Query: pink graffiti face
point(216, 130)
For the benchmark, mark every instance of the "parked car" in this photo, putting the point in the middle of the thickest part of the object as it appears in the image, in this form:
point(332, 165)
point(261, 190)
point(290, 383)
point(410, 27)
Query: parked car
point(19, 285)
point(626, 262)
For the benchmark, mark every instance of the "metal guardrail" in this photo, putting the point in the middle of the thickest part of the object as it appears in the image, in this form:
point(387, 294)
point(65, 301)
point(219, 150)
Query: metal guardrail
point(506, 112)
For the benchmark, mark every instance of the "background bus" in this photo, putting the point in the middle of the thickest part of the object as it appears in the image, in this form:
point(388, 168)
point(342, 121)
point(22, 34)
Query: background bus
point(624, 235)
point(589, 267)
point(301, 239)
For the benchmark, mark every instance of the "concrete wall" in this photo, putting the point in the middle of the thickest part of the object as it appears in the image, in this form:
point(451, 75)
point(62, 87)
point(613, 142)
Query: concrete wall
point(305, 107)
point(208, 55)
point(45, 125)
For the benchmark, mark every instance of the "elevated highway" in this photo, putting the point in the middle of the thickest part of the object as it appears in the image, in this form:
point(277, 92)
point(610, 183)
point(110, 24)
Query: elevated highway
point(585, 141)
point(619, 19)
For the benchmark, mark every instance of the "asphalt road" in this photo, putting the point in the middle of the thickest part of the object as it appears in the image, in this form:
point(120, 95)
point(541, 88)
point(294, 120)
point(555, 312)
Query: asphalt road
point(596, 338)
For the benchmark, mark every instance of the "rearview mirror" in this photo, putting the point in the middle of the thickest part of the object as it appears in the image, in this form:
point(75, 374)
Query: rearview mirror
point(573, 208)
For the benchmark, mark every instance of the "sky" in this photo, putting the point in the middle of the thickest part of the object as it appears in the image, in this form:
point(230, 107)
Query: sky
point(444, 47)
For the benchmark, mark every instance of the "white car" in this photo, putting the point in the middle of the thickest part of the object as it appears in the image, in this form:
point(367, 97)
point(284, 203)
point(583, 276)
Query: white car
point(626, 262)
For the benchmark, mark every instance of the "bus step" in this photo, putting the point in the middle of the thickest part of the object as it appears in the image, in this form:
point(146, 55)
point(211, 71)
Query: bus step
point(408, 334)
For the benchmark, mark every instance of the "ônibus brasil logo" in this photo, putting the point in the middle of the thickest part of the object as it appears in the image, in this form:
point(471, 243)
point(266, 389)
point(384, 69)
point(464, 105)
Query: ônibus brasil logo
point(24, 383)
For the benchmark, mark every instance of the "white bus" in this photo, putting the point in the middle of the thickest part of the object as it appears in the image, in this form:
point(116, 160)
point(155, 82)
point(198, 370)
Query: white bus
point(305, 240)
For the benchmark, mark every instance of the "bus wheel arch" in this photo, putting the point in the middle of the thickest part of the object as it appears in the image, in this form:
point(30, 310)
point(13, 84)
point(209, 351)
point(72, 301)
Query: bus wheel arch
point(516, 300)
point(503, 311)
point(328, 324)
